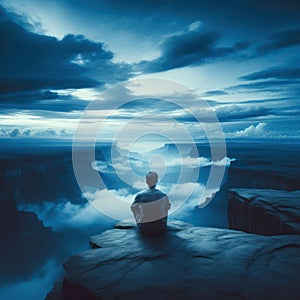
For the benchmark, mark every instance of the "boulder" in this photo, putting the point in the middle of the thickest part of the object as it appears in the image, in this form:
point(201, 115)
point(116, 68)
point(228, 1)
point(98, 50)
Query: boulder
point(264, 211)
point(187, 263)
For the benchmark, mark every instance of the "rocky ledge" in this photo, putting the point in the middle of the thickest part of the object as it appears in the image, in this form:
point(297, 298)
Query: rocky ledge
point(187, 263)
point(263, 211)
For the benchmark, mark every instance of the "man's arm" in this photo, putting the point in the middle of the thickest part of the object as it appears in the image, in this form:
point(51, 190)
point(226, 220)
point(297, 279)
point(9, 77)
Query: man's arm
point(135, 208)
point(168, 203)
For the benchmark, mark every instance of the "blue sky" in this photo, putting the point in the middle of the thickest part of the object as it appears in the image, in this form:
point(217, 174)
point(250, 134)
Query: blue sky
point(242, 57)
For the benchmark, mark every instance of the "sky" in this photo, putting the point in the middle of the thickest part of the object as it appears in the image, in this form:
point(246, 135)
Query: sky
point(239, 57)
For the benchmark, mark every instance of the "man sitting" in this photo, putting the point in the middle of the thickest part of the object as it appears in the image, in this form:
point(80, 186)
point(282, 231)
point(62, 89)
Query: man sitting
point(150, 208)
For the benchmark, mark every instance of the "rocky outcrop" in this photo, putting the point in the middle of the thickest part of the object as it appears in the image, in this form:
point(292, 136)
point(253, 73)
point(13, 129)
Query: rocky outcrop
point(264, 211)
point(186, 263)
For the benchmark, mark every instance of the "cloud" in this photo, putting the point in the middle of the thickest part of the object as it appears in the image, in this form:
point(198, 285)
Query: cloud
point(259, 131)
point(214, 93)
point(181, 204)
point(197, 162)
point(26, 97)
point(35, 288)
point(64, 215)
point(274, 73)
point(34, 133)
point(195, 25)
point(122, 164)
point(192, 47)
point(198, 194)
point(284, 81)
point(186, 208)
point(131, 171)
point(253, 131)
point(280, 40)
point(232, 112)
point(102, 166)
point(265, 85)
point(59, 107)
point(34, 63)
point(140, 165)
point(14, 132)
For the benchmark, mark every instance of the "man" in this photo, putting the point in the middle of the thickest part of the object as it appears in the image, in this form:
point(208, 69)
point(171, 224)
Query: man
point(150, 208)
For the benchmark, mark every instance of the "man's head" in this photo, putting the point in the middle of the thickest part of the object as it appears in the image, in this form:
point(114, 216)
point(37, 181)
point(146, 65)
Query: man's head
point(151, 179)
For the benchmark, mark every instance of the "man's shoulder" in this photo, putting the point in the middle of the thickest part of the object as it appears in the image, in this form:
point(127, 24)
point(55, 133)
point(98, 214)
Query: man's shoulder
point(161, 192)
point(152, 191)
point(141, 192)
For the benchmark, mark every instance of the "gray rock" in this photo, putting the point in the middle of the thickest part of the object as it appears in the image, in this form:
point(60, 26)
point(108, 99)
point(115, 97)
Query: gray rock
point(174, 225)
point(192, 263)
point(264, 211)
point(177, 225)
point(104, 239)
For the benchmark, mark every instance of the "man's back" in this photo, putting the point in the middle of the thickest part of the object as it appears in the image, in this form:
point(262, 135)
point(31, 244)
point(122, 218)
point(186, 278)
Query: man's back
point(150, 209)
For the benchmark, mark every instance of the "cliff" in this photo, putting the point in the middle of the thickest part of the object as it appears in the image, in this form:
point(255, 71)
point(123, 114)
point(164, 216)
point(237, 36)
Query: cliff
point(187, 263)
point(264, 211)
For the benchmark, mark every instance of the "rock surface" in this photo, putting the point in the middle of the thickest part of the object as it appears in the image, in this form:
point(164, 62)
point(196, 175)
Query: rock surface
point(174, 225)
point(187, 263)
point(264, 211)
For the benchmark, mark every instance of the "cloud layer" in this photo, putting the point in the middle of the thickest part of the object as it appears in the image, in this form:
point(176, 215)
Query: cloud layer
point(32, 63)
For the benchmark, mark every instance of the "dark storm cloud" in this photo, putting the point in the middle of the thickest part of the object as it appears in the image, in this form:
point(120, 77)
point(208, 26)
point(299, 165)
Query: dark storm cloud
point(280, 40)
point(153, 19)
point(30, 61)
point(189, 48)
point(26, 97)
point(39, 100)
point(34, 62)
point(274, 73)
point(62, 105)
point(197, 47)
point(227, 13)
